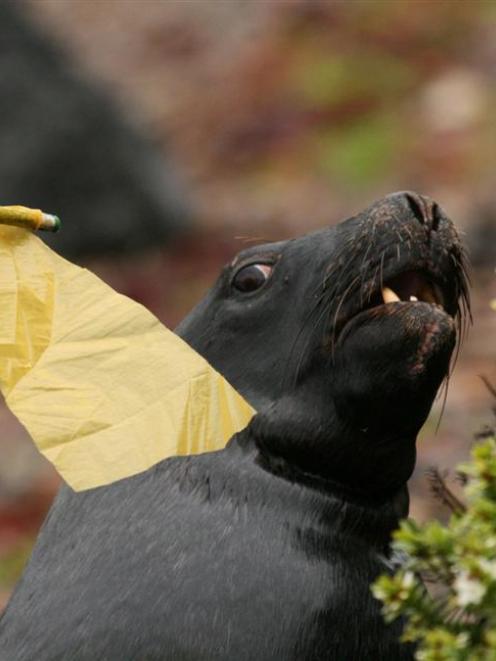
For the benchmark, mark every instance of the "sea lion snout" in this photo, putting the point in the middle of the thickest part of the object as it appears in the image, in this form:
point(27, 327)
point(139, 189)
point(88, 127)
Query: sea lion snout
point(393, 338)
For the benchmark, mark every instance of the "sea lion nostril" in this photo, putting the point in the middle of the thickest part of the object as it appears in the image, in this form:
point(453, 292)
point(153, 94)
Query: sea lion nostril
point(417, 206)
point(425, 210)
point(436, 216)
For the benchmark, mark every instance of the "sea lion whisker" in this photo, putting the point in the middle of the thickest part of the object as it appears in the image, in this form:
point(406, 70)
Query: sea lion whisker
point(336, 266)
point(338, 309)
point(463, 315)
point(338, 263)
point(444, 391)
point(302, 353)
point(361, 289)
point(365, 257)
point(464, 311)
point(316, 322)
point(323, 313)
point(250, 239)
point(372, 282)
point(382, 269)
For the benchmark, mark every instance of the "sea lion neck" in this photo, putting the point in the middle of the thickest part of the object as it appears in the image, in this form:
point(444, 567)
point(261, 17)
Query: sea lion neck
point(320, 449)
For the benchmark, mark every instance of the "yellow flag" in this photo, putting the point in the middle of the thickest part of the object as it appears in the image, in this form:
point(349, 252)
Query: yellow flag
point(103, 388)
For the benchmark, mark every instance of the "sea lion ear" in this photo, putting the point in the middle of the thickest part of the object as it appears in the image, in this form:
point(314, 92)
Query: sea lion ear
point(103, 388)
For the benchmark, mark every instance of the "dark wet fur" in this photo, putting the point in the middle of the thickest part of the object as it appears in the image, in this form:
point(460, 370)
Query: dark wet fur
point(266, 549)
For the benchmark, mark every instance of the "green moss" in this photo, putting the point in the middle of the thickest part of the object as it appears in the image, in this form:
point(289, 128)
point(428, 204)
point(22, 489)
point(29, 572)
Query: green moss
point(321, 79)
point(361, 153)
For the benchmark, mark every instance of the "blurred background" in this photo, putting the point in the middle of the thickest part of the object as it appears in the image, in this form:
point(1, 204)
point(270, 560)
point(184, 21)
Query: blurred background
point(167, 134)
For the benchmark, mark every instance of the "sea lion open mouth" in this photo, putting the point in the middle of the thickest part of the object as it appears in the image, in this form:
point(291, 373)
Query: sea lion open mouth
point(414, 256)
point(411, 287)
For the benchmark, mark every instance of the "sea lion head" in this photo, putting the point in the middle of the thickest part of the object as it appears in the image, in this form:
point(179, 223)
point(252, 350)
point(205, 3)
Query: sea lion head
point(341, 338)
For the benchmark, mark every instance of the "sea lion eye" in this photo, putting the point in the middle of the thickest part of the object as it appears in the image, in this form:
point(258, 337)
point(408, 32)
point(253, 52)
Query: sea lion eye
point(252, 277)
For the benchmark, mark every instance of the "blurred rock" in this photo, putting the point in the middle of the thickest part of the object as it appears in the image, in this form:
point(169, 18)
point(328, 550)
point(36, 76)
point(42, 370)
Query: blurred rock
point(455, 100)
point(64, 147)
point(481, 236)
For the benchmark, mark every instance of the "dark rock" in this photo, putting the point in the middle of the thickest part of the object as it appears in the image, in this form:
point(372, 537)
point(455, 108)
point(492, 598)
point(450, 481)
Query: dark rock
point(66, 148)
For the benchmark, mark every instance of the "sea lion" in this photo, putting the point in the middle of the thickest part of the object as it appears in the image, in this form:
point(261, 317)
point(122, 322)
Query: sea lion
point(266, 550)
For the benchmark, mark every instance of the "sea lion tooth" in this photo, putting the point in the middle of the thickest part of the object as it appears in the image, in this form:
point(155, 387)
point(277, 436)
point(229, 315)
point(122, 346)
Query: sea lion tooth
point(389, 296)
point(413, 298)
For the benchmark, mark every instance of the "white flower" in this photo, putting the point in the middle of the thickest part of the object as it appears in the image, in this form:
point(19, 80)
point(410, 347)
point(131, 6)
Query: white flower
point(408, 580)
point(468, 590)
point(462, 641)
point(488, 567)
